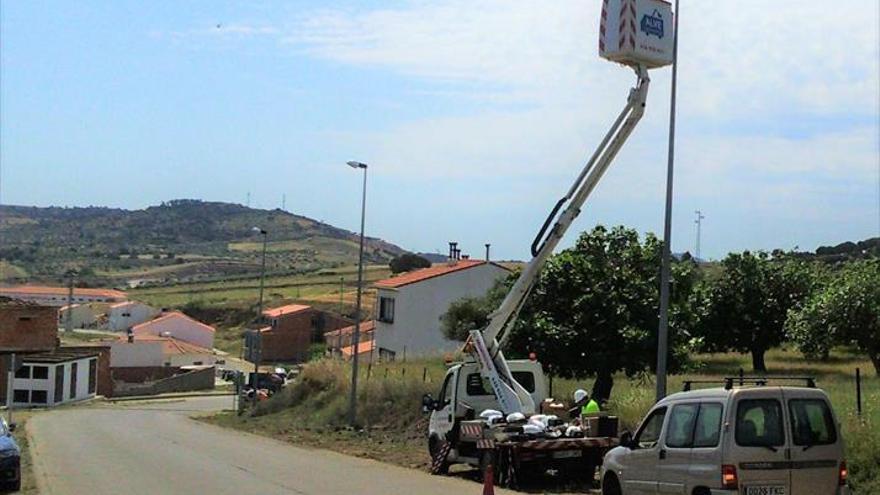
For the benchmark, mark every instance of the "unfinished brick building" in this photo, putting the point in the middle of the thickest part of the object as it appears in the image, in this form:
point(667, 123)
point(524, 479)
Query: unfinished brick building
point(290, 331)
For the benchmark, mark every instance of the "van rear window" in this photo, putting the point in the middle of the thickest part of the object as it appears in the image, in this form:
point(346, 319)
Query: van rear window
point(759, 423)
point(811, 422)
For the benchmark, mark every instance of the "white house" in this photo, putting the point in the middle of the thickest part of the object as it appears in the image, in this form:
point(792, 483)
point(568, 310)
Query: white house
point(55, 377)
point(150, 351)
point(178, 325)
point(81, 316)
point(409, 306)
point(124, 315)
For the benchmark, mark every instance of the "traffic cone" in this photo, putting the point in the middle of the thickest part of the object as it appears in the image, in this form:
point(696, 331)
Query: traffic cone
point(489, 481)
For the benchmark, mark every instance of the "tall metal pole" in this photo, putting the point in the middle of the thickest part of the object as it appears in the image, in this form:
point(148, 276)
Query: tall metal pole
point(663, 330)
point(352, 412)
point(68, 320)
point(341, 311)
point(699, 222)
point(257, 340)
point(10, 381)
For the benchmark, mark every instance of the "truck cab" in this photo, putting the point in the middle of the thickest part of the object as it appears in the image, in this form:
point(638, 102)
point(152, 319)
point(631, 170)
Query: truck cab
point(465, 394)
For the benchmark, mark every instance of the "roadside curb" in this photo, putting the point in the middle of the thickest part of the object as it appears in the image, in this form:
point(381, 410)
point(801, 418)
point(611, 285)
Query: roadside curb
point(168, 396)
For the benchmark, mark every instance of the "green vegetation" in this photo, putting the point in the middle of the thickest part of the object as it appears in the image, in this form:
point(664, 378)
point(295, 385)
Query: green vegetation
point(313, 410)
point(407, 262)
point(178, 240)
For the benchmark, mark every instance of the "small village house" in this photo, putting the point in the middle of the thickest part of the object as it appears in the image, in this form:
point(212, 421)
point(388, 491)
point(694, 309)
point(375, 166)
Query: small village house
point(124, 315)
point(409, 306)
point(55, 377)
point(78, 315)
point(179, 326)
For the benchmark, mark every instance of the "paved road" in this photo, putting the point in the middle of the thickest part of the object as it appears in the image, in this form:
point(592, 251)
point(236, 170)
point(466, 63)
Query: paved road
point(139, 448)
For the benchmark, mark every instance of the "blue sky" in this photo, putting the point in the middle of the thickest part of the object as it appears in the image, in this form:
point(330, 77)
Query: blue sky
point(474, 115)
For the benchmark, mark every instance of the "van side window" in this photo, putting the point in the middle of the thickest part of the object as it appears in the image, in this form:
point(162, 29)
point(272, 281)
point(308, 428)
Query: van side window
point(811, 422)
point(680, 430)
point(708, 428)
point(477, 385)
point(649, 433)
point(759, 423)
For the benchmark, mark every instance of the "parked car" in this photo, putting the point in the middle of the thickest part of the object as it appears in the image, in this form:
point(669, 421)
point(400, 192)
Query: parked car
point(749, 440)
point(10, 458)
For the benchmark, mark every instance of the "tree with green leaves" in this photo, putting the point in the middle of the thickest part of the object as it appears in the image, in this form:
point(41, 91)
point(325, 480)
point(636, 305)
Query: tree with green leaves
point(594, 310)
point(745, 308)
point(846, 311)
point(407, 262)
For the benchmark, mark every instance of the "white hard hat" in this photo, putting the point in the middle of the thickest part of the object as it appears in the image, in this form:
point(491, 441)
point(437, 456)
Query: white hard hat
point(516, 417)
point(580, 394)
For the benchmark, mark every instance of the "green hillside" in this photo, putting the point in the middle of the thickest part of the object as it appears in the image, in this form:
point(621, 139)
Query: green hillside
point(179, 240)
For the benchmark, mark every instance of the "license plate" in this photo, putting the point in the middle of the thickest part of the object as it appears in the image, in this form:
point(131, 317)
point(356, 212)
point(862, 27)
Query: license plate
point(765, 490)
point(566, 454)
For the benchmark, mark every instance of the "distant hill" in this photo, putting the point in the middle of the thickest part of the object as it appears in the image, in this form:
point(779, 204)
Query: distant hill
point(177, 240)
point(845, 251)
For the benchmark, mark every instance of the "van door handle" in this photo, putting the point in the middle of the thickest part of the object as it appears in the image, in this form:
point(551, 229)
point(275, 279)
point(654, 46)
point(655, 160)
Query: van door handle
point(662, 454)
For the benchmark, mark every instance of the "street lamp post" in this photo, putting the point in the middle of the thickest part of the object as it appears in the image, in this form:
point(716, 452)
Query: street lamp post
point(663, 330)
point(352, 408)
point(256, 340)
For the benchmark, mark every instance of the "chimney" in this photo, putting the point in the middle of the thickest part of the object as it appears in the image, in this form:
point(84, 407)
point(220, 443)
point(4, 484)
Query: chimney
point(487, 251)
point(130, 336)
point(465, 257)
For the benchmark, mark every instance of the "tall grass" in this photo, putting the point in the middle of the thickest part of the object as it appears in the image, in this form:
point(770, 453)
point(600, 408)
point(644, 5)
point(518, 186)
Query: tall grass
point(389, 397)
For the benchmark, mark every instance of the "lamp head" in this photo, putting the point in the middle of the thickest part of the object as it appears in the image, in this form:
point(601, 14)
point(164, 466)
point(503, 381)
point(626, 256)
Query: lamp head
point(355, 164)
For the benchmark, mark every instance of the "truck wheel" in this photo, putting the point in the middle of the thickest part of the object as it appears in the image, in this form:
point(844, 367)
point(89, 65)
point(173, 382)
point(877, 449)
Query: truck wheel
point(610, 485)
point(439, 451)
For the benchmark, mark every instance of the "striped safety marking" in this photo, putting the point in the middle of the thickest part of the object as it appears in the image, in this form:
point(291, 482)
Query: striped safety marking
point(602, 26)
point(438, 460)
point(487, 444)
point(471, 430)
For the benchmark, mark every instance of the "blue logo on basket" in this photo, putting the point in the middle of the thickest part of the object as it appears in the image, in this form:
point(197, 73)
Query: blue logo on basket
point(653, 24)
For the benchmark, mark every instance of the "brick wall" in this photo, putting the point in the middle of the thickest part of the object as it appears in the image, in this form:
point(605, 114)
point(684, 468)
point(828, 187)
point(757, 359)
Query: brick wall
point(290, 339)
point(28, 327)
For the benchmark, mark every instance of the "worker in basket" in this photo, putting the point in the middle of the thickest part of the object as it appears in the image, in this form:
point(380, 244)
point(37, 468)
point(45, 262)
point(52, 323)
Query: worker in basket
point(583, 404)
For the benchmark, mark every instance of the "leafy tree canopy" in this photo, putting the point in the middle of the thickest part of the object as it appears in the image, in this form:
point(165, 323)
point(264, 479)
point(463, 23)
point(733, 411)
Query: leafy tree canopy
point(407, 262)
point(846, 311)
point(745, 309)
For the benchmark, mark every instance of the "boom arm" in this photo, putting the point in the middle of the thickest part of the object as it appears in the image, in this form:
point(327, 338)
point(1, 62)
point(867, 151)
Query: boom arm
point(512, 397)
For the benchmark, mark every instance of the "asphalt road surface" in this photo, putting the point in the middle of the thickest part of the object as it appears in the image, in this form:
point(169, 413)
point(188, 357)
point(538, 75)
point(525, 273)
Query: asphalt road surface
point(155, 448)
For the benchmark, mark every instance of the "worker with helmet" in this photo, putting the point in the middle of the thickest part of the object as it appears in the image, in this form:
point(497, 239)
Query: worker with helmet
point(583, 404)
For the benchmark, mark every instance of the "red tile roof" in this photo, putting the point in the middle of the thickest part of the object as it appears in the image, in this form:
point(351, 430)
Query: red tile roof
point(285, 310)
point(366, 327)
point(170, 345)
point(41, 290)
point(363, 348)
point(436, 270)
point(166, 316)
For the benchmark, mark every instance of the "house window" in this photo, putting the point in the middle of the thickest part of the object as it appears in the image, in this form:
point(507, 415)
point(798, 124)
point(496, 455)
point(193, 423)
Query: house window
point(41, 373)
point(21, 396)
point(59, 384)
point(197, 363)
point(386, 309)
point(93, 375)
point(126, 315)
point(73, 369)
point(24, 318)
point(38, 397)
point(23, 372)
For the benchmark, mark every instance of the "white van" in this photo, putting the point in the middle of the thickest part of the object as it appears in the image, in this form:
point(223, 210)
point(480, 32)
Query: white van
point(755, 440)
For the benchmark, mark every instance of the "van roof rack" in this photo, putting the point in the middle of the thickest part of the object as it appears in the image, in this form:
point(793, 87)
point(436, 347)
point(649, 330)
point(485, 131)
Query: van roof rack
point(758, 381)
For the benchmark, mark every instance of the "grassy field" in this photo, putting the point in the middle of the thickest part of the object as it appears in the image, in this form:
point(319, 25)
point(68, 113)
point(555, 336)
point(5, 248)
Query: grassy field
point(313, 411)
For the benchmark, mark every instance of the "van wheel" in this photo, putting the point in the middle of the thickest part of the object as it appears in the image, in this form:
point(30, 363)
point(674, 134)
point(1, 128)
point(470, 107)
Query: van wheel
point(439, 451)
point(610, 485)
